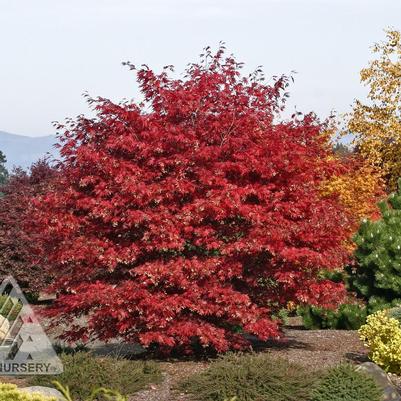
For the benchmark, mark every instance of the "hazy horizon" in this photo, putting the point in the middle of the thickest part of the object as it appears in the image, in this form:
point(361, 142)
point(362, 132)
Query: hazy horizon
point(25, 135)
point(52, 52)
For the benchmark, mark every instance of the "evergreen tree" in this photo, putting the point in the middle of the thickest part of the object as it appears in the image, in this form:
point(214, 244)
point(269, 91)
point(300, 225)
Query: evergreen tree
point(342, 150)
point(377, 277)
point(3, 169)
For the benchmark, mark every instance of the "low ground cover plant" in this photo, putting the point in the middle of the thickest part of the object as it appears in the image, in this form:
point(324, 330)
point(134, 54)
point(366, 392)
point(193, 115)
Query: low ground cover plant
point(84, 372)
point(344, 383)
point(248, 378)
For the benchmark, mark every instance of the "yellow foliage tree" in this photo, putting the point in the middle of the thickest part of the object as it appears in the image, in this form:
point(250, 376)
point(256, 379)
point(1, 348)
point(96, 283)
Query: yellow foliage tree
point(358, 188)
point(357, 184)
point(377, 125)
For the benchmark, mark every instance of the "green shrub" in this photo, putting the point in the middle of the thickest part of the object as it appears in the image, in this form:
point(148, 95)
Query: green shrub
point(10, 392)
point(346, 317)
point(344, 383)
point(84, 372)
point(249, 378)
point(282, 315)
point(376, 303)
point(395, 313)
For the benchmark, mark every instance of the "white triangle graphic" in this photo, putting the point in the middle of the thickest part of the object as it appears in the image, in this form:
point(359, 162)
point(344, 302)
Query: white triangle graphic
point(25, 348)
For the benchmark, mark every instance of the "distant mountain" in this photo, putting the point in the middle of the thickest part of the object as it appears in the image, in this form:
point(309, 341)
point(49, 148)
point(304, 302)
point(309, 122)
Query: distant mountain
point(24, 150)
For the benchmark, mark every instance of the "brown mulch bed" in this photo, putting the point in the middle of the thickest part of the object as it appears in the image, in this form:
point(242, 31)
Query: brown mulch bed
point(318, 349)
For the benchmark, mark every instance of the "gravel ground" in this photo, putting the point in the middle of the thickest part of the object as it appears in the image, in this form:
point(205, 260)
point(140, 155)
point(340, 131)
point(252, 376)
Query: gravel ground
point(318, 349)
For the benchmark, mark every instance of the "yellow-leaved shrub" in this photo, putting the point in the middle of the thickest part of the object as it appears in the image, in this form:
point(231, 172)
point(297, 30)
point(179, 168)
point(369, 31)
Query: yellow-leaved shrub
point(10, 392)
point(382, 334)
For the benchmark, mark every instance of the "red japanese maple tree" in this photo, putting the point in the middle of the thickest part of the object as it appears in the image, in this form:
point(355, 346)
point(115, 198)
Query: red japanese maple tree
point(16, 243)
point(193, 213)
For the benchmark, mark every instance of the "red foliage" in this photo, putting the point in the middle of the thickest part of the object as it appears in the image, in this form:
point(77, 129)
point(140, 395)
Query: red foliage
point(15, 243)
point(183, 217)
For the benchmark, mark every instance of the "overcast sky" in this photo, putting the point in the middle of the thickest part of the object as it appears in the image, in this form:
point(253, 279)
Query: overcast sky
point(54, 50)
